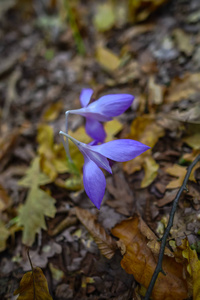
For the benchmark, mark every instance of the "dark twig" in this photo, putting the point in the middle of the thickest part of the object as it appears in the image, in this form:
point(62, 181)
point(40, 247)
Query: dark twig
point(159, 268)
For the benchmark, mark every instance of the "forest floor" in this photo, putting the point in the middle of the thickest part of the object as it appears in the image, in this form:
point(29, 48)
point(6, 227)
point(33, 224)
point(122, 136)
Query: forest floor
point(45, 62)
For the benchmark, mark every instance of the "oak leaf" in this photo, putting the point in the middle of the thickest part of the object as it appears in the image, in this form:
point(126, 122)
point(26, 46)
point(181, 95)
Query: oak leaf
point(140, 260)
point(38, 203)
point(105, 243)
point(33, 286)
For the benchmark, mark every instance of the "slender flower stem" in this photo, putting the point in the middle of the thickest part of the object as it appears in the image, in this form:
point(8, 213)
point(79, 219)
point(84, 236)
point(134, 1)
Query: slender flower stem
point(159, 268)
point(66, 142)
point(76, 142)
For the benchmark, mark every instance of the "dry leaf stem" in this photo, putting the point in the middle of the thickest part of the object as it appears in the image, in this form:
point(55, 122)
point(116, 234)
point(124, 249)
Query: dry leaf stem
point(159, 268)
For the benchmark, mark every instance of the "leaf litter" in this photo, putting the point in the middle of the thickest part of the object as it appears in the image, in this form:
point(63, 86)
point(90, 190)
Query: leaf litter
point(122, 56)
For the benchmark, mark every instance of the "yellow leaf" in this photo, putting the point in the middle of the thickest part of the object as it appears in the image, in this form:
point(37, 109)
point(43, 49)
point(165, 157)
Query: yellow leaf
point(193, 267)
point(193, 141)
point(183, 41)
point(112, 128)
point(107, 59)
point(180, 172)
point(139, 10)
point(150, 170)
point(155, 92)
point(33, 285)
point(53, 156)
point(76, 155)
point(105, 17)
point(33, 176)
point(145, 130)
point(4, 234)
point(52, 111)
point(56, 273)
point(191, 156)
point(38, 203)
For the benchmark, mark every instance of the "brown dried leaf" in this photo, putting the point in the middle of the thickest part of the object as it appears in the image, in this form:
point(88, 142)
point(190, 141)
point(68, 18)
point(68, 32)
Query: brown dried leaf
point(105, 243)
point(33, 286)
point(5, 200)
point(141, 261)
point(7, 142)
point(141, 9)
point(180, 172)
point(119, 188)
point(183, 88)
point(4, 234)
point(183, 41)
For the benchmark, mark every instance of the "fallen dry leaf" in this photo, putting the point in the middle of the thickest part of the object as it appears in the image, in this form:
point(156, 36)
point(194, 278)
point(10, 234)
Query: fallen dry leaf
point(141, 9)
point(8, 142)
point(193, 141)
point(105, 243)
point(147, 131)
point(33, 285)
point(193, 267)
point(180, 172)
point(53, 156)
point(119, 188)
point(52, 112)
point(105, 16)
point(183, 88)
point(107, 59)
point(38, 203)
point(5, 200)
point(155, 92)
point(183, 41)
point(141, 261)
point(112, 128)
point(4, 234)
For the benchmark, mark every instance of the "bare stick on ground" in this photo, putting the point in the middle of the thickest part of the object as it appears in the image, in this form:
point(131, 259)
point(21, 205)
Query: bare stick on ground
point(159, 268)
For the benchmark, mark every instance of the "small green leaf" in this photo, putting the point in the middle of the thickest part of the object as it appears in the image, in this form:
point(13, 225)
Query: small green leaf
point(32, 214)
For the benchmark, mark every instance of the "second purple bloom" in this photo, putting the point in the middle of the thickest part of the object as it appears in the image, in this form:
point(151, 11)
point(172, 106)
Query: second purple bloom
point(100, 110)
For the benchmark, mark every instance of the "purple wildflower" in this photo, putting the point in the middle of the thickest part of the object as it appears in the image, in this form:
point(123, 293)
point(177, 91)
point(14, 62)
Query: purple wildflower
point(100, 110)
point(97, 156)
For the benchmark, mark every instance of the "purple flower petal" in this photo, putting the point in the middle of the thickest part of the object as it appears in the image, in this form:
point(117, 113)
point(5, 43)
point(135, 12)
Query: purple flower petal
point(111, 105)
point(94, 181)
point(100, 160)
point(85, 97)
point(87, 113)
point(121, 150)
point(95, 130)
